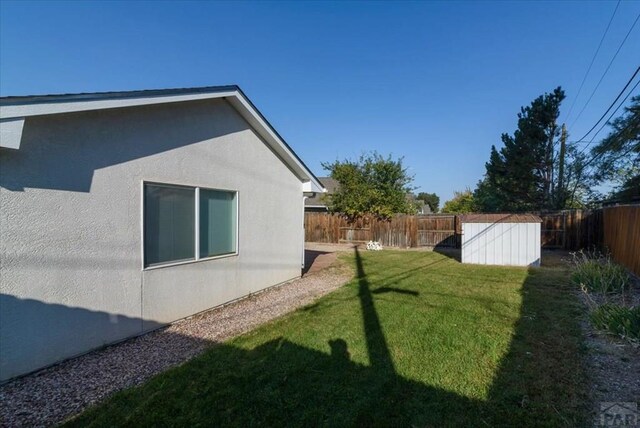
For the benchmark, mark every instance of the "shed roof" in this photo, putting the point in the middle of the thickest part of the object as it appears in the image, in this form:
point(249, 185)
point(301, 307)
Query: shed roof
point(499, 218)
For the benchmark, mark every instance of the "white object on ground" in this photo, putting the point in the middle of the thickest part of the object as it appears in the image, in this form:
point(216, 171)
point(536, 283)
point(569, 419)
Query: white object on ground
point(374, 246)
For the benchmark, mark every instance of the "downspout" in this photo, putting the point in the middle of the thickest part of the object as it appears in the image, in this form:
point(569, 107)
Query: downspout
point(304, 198)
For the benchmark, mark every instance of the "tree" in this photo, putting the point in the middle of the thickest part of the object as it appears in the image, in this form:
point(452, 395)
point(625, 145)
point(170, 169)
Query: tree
point(430, 199)
point(524, 174)
point(370, 186)
point(617, 156)
point(462, 202)
point(487, 197)
point(629, 191)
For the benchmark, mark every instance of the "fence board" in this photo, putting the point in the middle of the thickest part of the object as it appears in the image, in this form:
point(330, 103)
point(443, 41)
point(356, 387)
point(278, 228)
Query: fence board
point(401, 231)
point(622, 235)
point(553, 230)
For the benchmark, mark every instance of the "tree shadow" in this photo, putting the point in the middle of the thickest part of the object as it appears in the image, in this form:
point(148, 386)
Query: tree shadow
point(279, 382)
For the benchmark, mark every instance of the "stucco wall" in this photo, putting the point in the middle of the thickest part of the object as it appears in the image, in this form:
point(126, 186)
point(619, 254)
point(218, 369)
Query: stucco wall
point(70, 225)
point(507, 244)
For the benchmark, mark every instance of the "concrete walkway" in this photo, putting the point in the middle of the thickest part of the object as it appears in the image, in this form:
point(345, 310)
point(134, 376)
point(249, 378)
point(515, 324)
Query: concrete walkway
point(319, 256)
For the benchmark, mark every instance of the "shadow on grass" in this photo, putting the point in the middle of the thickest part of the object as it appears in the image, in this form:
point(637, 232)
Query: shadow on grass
point(382, 290)
point(451, 252)
point(282, 383)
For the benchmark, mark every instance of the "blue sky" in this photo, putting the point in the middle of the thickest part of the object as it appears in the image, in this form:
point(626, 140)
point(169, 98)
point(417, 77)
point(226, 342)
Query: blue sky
point(435, 82)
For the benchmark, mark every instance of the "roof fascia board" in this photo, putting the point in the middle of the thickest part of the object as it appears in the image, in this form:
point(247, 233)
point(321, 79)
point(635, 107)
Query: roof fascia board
point(59, 107)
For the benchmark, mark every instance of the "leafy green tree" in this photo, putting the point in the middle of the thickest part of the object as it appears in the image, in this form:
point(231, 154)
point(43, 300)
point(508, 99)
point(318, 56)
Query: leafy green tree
point(370, 186)
point(629, 191)
point(461, 203)
point(430, 199)
point(488, 198)
point(524, 174)
point(617, 157)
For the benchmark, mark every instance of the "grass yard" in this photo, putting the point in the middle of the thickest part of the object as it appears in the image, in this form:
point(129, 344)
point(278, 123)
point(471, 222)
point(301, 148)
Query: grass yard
point(416, 338)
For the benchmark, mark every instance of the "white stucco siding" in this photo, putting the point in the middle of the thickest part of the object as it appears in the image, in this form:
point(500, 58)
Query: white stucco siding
point(510, 244)
point(70, 225)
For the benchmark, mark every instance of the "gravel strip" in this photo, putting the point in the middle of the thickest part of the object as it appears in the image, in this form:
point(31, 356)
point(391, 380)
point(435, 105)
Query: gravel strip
point(614, 368)
point(52, 395)
point(613, 363)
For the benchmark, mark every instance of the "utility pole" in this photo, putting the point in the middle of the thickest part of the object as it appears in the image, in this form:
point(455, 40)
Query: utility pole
point(560, 193)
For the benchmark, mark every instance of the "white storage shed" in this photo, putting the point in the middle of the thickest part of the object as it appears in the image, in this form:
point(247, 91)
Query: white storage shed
point(501, 239)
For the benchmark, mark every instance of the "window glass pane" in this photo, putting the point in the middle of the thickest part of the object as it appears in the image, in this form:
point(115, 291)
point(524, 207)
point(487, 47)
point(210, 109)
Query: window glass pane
point(217, 222)
point(169, 223)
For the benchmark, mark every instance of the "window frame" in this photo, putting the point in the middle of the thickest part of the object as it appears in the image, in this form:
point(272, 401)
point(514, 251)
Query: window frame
point(196, 248)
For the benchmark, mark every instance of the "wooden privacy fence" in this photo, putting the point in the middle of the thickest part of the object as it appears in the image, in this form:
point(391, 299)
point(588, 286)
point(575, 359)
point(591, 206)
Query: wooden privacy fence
point(621, 235)
point(567, 230)
point(571, 229)
point(401, 231)
point(437, 231)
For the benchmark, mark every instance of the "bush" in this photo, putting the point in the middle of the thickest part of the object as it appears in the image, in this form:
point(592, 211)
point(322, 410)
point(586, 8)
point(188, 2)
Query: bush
point(618, 320)
point(597, 273)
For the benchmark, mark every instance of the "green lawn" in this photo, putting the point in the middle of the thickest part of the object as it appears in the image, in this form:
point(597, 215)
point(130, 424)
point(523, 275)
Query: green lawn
point(416, 338)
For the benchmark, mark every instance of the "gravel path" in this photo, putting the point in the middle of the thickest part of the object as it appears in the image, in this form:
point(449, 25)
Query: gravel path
point(54, 394)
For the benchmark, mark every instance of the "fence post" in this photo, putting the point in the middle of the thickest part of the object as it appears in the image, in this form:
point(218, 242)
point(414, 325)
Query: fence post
point(564, 230)
point(580, 229)
point(413, 231)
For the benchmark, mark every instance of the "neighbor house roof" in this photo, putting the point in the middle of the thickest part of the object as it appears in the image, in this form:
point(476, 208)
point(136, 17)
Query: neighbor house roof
point(499, 218)
point(14, 110)
point(316, 201)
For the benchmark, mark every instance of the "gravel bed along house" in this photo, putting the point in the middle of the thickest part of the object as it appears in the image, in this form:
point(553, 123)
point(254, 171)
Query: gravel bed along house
point(54, 394)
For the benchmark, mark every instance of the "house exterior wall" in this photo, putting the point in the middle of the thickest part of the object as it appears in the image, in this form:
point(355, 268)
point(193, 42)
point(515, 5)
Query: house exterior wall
point(510, 244)
point(70, 225)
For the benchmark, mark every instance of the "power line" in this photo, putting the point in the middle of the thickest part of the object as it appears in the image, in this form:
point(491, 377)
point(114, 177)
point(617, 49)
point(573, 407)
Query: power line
point(613, 103)
point(609, 143)
point(606, 70)
point(606, 122)
point(602, 152)
point(622, 155)
point(592, 61)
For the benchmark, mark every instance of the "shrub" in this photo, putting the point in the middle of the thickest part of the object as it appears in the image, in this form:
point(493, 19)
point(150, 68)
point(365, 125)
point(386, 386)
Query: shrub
point(597, 273)
point(618, 320)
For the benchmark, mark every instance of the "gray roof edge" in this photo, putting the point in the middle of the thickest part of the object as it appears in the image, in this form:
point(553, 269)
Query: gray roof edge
point(113, 95)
